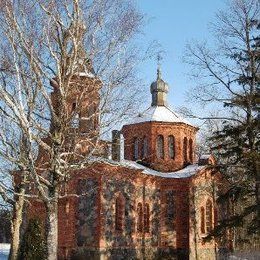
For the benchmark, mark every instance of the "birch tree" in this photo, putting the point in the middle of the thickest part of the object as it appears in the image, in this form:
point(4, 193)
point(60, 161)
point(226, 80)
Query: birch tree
point(13, 160)
point(58, 41)
point(228, 81)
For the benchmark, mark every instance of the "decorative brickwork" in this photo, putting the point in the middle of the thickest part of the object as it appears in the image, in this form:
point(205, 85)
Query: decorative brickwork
point(114, 209)
point(87, 215)
point(150, 131)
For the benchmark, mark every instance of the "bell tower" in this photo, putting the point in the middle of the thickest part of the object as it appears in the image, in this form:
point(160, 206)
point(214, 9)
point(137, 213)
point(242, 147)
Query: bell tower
point(75, 99)
point(80, 92)
point(82, 102)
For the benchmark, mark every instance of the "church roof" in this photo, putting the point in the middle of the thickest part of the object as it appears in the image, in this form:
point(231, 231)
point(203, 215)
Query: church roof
point(186, 172)
point(159, 114)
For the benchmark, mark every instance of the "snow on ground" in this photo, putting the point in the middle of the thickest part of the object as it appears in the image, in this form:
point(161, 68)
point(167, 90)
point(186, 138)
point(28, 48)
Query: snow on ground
point(4, 251)
point(253, 255)
point(233, 257)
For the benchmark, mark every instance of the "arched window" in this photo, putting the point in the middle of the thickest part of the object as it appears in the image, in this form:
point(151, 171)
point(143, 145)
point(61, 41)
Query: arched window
point(215, 216)
point(91, 117)
point(136, 149)
point(191, 150)
point(171, 146)
point(75, 118)
point(96, 115)
point(170, 209)
point(209, 216)
point(185, 149)
point(160, 147)
point(119, 214)
point(146, 218)
point(202, 220)
point(145, 147)
point(139, 217)
point(67, 207)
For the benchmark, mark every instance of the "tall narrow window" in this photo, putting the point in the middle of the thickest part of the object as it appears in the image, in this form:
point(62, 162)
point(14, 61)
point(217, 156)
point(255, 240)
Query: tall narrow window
point(145, 147)
point(160, 147)
point(209, 216)
point(170, 210)
point(75, 118)
point(202, 220)
point(185, 149)
point(215, 216)
point(139, 217)
point(136, 149)
point(119, 214)
point(171, 146)
point(191, 150)
point(96, 115)
point(91, 117)
point(146, 218)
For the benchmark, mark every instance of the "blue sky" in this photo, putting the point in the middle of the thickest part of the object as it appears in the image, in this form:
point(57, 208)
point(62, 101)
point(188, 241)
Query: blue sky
point(174, 23)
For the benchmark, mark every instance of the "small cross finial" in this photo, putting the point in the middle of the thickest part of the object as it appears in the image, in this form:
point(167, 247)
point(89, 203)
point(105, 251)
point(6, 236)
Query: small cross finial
point(159, 58)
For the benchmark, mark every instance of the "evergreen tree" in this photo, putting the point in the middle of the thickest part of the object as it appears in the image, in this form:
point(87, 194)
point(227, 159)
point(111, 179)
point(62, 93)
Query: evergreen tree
point(5, 225)
point(232, 73)
point(33, 245)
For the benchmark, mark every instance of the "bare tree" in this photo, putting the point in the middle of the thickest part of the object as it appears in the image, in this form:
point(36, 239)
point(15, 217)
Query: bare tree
point(12, 187)
point(228, 80)
point(84, 49)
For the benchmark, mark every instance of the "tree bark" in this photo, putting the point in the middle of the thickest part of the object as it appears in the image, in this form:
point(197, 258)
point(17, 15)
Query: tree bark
point(16, 226)
point(257, 193)
point(52, 229)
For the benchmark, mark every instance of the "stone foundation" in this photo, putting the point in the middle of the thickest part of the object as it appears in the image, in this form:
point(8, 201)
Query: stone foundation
point(131, 254)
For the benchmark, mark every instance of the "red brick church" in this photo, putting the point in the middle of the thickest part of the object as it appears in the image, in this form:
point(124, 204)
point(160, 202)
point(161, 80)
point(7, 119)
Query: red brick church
point(157, 201)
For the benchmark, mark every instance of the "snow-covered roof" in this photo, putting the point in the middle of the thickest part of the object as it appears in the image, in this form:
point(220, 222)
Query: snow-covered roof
point(186, 172)
point(183, 173)
point(86, 74)
point(205, 156)
point(159, 114)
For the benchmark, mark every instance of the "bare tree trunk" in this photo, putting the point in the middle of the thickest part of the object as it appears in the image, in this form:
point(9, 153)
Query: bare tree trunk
point(52, 230)
point(195, 226)
point(257, 192)
point(16, 226)
point(31, 111)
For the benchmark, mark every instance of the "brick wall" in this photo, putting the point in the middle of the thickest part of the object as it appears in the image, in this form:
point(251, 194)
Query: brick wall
point(97, 232)
point(87, 215)
point(151, 130)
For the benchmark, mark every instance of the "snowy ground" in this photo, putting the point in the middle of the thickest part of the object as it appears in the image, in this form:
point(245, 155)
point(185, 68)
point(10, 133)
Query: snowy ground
point(4, 251)
point(254, 255)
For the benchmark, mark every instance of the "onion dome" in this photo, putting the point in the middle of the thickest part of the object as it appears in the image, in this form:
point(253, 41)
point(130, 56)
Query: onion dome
point(159, 90)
